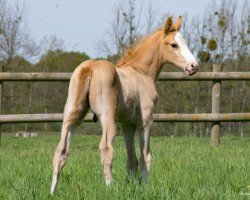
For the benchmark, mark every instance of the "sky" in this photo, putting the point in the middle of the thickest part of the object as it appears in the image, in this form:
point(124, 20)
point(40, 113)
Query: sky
point(81, 24)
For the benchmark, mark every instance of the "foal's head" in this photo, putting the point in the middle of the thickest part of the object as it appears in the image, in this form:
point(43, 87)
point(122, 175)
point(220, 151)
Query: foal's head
point(174, 49)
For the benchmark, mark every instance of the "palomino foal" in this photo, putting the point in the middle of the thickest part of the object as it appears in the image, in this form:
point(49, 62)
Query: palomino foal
point(126, 93)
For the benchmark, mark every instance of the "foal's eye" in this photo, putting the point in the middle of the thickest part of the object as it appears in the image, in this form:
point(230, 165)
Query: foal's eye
point(174, 45)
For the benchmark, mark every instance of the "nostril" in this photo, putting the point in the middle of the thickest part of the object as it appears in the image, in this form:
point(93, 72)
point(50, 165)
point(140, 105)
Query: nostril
point(193, 66)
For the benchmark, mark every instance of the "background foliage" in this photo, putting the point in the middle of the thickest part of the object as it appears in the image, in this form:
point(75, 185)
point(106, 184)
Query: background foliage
point(220, 35)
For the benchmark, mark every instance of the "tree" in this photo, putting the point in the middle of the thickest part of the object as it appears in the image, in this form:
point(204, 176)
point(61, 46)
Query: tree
point(126, 28)
point(243, 54)
point(56, 60)
point(15, 39)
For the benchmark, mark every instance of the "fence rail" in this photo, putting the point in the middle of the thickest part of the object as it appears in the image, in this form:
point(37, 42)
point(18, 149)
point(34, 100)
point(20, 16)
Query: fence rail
point(176, 117)
point(204, 76)
point(35, 76)
point(164, 76)
point(215, 117)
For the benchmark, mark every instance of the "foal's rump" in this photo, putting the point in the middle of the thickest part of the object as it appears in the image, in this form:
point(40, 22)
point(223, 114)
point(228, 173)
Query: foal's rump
point(91, 84)
point(103, 90)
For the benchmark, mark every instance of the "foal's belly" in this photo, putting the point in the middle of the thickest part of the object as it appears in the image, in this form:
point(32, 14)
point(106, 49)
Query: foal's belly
point(127, 114)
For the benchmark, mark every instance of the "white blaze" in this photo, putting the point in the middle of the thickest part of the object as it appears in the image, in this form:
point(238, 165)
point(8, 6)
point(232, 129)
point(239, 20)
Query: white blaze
point(184, 49)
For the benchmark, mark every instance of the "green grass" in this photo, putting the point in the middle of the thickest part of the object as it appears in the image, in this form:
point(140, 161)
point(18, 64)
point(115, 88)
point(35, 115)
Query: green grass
point(182, 168)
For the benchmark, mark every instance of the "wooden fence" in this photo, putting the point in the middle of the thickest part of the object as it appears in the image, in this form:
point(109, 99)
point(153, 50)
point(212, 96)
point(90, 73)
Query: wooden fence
point(215, 117)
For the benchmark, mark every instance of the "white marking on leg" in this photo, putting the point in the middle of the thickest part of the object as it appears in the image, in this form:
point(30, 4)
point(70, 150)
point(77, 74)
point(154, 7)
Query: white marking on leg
point(106, 148)
point(61, 154)
point(53, 185)
point(108, 181)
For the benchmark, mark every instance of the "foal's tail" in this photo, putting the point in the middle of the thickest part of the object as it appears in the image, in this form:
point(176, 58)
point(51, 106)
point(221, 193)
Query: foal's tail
point(77, 103)
point(75, 109)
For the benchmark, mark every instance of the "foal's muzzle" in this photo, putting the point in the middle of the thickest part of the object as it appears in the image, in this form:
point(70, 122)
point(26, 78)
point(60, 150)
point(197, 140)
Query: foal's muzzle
point(192, 68)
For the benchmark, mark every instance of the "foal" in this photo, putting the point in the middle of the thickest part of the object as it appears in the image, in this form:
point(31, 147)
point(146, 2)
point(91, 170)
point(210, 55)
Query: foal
point(125, 93)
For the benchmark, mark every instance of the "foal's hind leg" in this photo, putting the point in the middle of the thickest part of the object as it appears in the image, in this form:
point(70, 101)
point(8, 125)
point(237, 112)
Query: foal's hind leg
point(145, 160)
point(62, 149)
point(132, 162)
point(61, 154)
point(106, 148)
point(103, 102)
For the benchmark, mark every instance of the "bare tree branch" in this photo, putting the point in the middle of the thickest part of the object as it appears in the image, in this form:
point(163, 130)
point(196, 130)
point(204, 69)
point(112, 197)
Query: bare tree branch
point(15, 39)
point(126, 27)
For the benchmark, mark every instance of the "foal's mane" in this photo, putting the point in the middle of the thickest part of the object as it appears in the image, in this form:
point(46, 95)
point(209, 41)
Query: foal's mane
point(133, 51)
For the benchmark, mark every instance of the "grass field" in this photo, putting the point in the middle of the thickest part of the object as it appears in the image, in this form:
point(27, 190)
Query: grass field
point(183, 168)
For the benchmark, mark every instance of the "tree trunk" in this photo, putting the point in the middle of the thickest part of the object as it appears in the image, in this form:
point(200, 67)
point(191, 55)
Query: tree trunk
point(176, 111)
point(11, 104)
point(45, 94)
point(1, 102)
point(45, 111)
point(232, 99)
point(231, 107)
point(29, 105)
point(244, 97)
point(197, 104)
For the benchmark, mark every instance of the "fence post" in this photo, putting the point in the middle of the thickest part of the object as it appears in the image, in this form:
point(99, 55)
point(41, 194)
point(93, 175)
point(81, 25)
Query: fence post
point(1, 97)
point(215, 131)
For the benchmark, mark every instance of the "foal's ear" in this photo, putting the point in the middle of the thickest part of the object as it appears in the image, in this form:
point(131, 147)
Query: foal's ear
point(177, 25)
point(167, 25)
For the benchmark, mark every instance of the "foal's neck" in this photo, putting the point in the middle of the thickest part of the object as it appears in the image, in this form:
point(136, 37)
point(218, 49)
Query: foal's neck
point(145, 58)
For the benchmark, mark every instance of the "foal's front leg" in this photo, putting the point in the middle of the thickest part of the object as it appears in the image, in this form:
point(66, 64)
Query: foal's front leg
point(129, 138)
point(145, 160)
